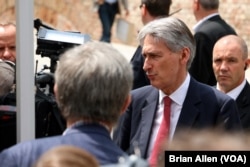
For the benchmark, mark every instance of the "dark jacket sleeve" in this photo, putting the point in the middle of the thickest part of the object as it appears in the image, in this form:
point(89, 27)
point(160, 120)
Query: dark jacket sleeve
point(201, 68)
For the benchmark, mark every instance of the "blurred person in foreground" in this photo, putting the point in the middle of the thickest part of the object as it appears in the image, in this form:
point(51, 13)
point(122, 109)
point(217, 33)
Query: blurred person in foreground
point(150, 10)
point(174, 100)
point(230, 61)
point(66, 156)
point(209, 139)
point(92, 88)
point(208, 29)
point(7, 75)
point(8, 42)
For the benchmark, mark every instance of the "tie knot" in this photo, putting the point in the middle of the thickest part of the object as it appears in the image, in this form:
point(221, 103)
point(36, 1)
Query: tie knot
point(167, 101)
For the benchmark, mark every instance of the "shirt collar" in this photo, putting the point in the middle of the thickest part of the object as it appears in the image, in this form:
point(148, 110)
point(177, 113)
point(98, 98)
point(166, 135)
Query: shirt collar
point(197, 25)
point(82, 123)
point(178, 96)
point(234, 93)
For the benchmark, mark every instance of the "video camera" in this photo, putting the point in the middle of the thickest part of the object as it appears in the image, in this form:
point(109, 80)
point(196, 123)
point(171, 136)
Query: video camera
point(52, 43)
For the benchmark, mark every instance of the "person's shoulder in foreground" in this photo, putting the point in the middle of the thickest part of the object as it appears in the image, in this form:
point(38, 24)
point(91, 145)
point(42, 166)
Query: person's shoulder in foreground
point(92, 88)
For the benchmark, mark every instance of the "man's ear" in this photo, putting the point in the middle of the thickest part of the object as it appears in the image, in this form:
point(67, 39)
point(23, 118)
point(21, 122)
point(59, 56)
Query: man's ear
point(185, 55)
point(247, 64)
point(126, 103)
point(143, 10)
point(196, 4)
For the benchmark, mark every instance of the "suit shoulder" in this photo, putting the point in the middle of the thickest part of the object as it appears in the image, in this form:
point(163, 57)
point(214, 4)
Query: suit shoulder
point(210, 92)
point(216, 27)
point(25, 153)
point(143, 91)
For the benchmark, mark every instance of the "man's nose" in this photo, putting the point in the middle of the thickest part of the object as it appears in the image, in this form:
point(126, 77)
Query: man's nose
point(6, 53)
point(145, 64)
point(224, 66)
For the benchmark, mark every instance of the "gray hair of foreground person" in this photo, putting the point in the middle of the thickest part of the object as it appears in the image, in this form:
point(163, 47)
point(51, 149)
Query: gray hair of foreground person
point(173, 32)
point(96, 84)
point(209, 139)
point(7, 75)
point(66, 156)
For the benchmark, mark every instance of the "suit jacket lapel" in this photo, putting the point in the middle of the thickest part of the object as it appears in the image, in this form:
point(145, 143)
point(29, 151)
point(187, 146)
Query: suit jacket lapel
point(147, 120)
point(190, 109)
point(243, 99)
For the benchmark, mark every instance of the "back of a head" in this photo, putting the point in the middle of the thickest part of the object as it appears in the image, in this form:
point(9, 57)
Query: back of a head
point(66, 156)
point(7, 75)
point(173, 32)
point(93, 82)
point(157, 8)
point(209, 4)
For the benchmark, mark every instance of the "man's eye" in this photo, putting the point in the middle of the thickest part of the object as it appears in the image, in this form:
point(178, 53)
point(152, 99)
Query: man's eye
point(12, 48)
point(217, 61)
point(231, 60)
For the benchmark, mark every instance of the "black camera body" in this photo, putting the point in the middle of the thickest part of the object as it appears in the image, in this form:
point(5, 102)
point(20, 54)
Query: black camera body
point(52, 43)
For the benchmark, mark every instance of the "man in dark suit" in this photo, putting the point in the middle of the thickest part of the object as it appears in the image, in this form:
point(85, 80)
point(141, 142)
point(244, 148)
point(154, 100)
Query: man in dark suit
point(168, 48)
point(92, 88)
point(150, 10)
point(209, 28)
point(230, 60)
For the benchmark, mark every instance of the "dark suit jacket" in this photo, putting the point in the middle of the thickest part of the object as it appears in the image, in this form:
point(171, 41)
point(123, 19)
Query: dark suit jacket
point(93, 138)
point(140, 78)
point(203, 107)
point(243, 103)
point(206, 36)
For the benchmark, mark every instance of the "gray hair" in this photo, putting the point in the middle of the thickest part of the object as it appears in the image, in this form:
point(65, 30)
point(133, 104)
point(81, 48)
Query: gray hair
point(173, 32)
point(209, 4)
point(244, 48)
point(93, 81)
point(7, 75)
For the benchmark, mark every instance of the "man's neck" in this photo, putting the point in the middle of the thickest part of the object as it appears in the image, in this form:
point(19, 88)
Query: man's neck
point(205, 14)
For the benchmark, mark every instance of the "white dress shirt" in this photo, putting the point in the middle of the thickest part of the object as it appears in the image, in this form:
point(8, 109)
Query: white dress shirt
point(234, 93)
point(177, 98)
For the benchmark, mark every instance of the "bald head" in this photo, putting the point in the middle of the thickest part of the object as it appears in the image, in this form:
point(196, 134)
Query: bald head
point(233, 40)
point(230, 59)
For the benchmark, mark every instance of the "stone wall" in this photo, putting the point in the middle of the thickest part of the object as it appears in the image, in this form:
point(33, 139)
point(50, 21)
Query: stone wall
point(78, 15)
